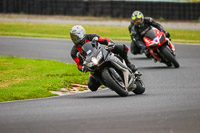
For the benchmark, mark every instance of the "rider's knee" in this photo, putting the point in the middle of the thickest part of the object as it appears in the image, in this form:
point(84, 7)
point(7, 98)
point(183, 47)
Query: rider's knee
point(93, 85)
point(122, 50)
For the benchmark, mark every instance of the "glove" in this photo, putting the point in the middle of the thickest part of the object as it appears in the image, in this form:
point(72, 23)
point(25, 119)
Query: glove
point(111, 42)
point(110, 46)
point(167, 35)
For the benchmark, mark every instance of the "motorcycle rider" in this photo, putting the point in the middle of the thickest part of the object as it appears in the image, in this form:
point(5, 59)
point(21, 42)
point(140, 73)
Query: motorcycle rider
point(79, 37)
point(138, 24)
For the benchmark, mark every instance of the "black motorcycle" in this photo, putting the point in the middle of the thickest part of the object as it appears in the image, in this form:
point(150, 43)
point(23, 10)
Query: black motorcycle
point(110, 69)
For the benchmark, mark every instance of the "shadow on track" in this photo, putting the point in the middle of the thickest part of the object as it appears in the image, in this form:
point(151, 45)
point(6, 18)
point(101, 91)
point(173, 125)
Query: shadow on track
point(106, 96)
point(103, 96)
point(139, 58)
point(114, 96)
point(156, 68)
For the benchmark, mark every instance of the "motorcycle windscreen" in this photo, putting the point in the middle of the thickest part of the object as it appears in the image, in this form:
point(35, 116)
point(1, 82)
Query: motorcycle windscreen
point(87, 49)
point(150, 34)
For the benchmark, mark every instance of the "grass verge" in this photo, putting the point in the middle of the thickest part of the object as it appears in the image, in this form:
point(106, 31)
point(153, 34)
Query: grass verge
point(22, 78)
point(62, 31)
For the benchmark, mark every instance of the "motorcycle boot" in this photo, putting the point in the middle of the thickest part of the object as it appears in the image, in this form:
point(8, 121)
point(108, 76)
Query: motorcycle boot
point(142, 48)
point(147, 53)
point(122, 50)
point(130, 65)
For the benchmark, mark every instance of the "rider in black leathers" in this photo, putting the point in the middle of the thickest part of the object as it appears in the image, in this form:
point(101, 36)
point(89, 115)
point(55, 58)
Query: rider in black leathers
point(79, 37)
point(138, 24)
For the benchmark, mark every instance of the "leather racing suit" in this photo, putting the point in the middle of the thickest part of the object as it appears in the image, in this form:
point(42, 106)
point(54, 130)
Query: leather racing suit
point(122, 50)
point(137, 45)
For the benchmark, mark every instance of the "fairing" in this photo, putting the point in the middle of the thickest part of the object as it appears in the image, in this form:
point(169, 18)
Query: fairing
point(154, 38)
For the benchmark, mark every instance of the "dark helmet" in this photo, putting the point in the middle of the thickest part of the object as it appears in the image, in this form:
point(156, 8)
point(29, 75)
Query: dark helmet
point(137, 18)
point(77, 34)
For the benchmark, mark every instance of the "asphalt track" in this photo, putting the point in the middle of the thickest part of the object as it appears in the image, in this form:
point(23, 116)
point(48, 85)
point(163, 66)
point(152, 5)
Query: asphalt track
point(171, 103)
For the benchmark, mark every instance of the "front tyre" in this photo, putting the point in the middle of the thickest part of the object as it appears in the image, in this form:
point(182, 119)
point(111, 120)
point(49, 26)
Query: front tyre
point(112, 84)
point(170, 57)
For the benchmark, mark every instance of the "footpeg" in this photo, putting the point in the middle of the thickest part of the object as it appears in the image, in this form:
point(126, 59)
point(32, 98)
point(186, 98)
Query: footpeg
point(132, 88)
point(137, 73)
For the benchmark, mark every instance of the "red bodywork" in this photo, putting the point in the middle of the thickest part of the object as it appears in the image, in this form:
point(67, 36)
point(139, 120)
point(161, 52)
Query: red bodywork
point(153, 44)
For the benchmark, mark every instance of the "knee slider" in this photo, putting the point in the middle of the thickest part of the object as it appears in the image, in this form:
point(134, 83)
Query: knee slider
point(92, 86)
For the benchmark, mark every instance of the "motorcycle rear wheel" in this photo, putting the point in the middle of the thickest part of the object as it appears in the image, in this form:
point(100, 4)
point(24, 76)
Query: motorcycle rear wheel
point(112, 84)
point(140, 88)
point(170, 57)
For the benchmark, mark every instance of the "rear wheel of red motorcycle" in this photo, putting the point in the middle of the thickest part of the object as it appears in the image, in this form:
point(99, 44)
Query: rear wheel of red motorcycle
point(170, 57)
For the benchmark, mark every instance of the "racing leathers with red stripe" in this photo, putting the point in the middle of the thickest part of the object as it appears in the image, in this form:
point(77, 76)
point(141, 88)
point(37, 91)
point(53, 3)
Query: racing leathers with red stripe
point(76, 49)
point(122, 50)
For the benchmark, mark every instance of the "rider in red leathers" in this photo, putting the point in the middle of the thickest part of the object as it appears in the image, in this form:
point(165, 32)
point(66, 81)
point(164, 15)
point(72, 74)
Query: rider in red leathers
point(79, 37)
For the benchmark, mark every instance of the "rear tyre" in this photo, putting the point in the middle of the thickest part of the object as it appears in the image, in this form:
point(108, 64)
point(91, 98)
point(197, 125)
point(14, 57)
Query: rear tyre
point(112, 84)
point(170, 57)
point(140, 88)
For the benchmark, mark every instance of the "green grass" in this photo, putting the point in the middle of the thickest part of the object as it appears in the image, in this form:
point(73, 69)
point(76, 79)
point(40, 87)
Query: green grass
point(32, 78)
point(62, 31)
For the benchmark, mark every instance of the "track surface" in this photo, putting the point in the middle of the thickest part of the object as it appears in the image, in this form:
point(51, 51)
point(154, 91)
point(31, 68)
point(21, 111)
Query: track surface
point(171, 103)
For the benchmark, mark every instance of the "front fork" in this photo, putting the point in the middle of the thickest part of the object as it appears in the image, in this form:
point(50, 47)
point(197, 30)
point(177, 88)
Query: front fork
point(172, 47)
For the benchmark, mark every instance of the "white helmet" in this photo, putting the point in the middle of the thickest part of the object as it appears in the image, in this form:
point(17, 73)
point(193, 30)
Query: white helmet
point(77, 34)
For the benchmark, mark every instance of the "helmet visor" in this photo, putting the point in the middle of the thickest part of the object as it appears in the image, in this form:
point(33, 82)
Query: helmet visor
point(81, 42)
point(76, 38)
point(138, 21)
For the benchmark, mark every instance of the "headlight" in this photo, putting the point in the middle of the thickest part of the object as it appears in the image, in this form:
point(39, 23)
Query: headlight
point(95, 60)
point(99, 56)
point(91, 64)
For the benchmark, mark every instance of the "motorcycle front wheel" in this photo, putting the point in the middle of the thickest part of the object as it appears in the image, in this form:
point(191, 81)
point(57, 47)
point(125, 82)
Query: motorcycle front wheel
point(170, 57)
point(113, 84)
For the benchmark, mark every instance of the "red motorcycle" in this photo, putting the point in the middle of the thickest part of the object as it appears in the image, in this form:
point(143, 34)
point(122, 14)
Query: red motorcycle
point(159, 46)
